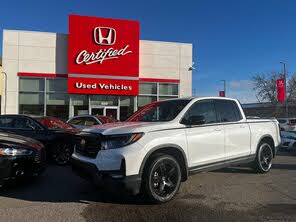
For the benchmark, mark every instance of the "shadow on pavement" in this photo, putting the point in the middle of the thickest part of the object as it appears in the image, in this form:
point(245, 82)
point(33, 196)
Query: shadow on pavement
point(60, 184)
point(286, 153)
point(284, 167)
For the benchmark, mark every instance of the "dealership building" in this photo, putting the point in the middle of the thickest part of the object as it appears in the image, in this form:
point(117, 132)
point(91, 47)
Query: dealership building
point(100, 67)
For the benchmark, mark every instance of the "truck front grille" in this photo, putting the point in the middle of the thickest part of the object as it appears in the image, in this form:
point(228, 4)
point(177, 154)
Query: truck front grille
point(88, 145)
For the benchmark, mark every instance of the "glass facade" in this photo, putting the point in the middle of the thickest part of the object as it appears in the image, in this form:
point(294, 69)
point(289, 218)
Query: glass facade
point(151, 92)
point(49, 96)
point(31, 96)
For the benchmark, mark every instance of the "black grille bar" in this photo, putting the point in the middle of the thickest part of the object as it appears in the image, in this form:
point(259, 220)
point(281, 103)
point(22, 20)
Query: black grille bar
point(88, 144)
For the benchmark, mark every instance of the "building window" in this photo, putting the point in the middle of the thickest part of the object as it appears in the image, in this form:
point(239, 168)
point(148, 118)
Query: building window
point(57, 98)
point(79, 104)
point(49, 96)
point(126, 107)
point(57, 105)
point(148, 88)
point(31, 96)
point(160, 98)
point(144, 100)
point(151, 92)
point(168, 89)
point(103, 100)
point(56, 85)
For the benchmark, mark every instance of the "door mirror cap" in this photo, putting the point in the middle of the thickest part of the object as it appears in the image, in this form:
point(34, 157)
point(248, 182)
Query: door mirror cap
point(195, 120)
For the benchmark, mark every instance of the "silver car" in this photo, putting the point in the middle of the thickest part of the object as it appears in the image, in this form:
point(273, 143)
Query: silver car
point(85, 121)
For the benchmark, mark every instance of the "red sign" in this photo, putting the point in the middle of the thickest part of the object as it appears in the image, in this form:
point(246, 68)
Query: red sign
point(103, 51)
point(281, 92)
point(103, 86)
point(221, 93)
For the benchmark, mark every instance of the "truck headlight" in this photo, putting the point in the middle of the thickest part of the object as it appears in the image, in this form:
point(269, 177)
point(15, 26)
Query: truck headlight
point(9, 151)
point(118, 141)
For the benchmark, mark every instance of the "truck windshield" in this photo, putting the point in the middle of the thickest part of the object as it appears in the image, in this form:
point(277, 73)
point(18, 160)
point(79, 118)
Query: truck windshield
point(159, 111)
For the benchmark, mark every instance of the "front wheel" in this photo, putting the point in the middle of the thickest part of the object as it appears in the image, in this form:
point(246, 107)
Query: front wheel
point(62, 153)
point(263, 161)
point(162, 179)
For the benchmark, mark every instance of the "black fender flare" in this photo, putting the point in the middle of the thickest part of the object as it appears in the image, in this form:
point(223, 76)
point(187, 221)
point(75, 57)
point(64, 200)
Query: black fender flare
point(163, 146)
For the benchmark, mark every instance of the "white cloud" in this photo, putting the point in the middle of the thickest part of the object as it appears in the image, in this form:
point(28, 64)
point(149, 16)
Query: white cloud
point(241, 84)
point(242, 90)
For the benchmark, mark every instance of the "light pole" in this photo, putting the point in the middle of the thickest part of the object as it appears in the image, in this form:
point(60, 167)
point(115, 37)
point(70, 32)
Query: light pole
point(224, 82)
point(5, 92)
point(286, 98)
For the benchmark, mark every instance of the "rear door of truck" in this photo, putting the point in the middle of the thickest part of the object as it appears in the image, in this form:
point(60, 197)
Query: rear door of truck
point(237, 130)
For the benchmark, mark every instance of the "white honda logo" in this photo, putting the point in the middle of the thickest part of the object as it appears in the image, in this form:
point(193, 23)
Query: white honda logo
point(104, 36)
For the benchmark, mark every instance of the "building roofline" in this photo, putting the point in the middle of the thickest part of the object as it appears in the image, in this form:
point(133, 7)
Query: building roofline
point(59, 33)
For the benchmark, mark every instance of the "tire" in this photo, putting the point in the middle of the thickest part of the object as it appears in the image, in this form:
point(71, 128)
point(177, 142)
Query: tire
point(62, 153)
point(263, 161)
point(161, 178)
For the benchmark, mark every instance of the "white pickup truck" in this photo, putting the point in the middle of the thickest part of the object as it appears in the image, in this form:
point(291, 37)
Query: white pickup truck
point(163, 143)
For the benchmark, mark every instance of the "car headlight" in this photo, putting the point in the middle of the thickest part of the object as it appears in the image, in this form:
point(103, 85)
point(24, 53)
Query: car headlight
point(118, 141)
point(9, 151)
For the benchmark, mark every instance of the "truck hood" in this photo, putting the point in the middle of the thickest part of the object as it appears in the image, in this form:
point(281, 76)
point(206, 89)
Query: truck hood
point(130, 127)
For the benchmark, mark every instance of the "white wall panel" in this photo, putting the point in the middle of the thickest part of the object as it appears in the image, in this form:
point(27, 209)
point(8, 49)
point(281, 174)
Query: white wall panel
point(10, 37)
point(10, 67)
point(10, 52)
point(37, 53)
point(42, 39)
point(34, 66)
point(159, 48)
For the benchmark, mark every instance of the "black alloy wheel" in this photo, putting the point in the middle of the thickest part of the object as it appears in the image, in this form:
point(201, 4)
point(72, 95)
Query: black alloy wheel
point(264, 158)
point(62, 153)
point(163, 179)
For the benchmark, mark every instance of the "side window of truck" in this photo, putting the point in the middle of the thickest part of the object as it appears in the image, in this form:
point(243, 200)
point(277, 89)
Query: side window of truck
point(204, 108)
point(227, 111)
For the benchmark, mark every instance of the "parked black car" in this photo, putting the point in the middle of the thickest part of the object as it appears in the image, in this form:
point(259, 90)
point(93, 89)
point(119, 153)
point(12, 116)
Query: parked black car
point(57, 136)
point(20, 157)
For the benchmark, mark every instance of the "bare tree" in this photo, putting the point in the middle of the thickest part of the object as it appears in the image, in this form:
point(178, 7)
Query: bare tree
point(265, 87)
point(291, 89)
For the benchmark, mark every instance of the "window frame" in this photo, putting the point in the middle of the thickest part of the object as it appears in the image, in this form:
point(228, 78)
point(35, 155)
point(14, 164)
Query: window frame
point(235, 108)
point(200, 101)
point(158, 95)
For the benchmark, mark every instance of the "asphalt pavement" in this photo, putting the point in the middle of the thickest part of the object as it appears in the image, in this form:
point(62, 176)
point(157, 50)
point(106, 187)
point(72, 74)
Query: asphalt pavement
point(231, 194)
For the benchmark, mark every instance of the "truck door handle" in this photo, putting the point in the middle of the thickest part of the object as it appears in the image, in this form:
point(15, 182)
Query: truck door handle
point(217, 129)
point(241, 126)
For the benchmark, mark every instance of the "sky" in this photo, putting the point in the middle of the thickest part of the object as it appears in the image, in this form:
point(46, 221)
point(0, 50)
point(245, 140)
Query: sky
point(232, 39)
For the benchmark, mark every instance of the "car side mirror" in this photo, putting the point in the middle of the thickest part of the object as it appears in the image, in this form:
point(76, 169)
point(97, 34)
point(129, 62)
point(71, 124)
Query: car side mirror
point(196, 120)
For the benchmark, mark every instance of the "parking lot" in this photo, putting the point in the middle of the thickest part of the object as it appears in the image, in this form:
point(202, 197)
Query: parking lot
point(232, 194)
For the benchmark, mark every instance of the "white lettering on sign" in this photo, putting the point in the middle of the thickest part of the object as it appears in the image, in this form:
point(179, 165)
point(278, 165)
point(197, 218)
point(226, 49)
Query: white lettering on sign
point(84, 57)
point(80, 85)
point(114, 87)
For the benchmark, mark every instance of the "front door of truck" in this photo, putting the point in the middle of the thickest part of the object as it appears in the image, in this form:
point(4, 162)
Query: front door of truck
point(205, 141)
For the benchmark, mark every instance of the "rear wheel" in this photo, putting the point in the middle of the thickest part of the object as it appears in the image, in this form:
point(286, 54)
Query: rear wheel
point(162, 178)
point(263, 161)
point(62, 153)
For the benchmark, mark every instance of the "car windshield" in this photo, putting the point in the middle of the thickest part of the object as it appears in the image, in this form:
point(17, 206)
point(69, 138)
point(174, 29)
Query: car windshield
point(159, 111)
point(54, 123)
